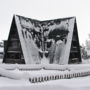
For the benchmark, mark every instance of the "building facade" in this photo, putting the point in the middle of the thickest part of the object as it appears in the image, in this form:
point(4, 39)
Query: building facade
point(35, 42)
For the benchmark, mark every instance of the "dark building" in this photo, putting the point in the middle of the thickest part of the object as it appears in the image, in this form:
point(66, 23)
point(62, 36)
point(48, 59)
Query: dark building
point(35, 42)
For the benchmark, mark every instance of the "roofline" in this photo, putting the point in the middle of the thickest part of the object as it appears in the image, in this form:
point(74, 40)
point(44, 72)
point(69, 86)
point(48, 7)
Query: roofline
point(46, 20)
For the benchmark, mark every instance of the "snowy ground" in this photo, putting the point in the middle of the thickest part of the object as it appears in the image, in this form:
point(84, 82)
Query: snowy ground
point(64, 84)
point(80, 83)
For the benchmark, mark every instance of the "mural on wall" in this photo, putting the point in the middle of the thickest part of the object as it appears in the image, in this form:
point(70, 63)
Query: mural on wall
point(45, 40)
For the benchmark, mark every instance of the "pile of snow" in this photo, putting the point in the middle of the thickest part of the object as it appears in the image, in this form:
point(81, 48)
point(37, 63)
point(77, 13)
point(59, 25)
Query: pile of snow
point(30, 67)
point(21, 66)
point(55, 67)
point(8, 66)
point(45, 67)
point(34, 66)
point(79, 67)
point(10, 74)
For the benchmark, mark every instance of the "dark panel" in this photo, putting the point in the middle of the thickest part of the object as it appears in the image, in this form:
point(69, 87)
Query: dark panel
point(75, 56)
point(13, 52)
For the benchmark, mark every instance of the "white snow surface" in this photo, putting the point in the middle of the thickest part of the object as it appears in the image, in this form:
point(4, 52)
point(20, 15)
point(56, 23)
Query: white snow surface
point(20, 81)
point(62, 84)
point(13, 79)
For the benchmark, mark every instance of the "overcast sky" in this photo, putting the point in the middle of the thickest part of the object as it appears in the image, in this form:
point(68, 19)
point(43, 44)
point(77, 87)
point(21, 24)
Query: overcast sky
point(46, 9)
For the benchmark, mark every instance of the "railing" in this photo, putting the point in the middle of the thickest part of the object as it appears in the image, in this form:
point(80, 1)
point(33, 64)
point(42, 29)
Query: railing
point(59, 76)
